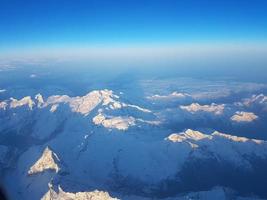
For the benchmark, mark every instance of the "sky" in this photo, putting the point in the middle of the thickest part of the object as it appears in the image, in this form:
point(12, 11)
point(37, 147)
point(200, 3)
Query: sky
point(47, 25)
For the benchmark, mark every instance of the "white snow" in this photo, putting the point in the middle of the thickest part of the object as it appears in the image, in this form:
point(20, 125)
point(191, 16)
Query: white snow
point(62, 195)
point(255, 99)
point(151, 122)
point(3, 105)
point(84, 104)
point(236, 138)
point(188, 134)
point(138, 108)
point(224, 146)
point(87, 103)
point(40, 100)
point(241, 116)
point(22, 102)
point(91, 158)
point(53, 108)
point(198, 136)
point(217, 109)
point(48, 161)
point(173, 95)
point(120, 123)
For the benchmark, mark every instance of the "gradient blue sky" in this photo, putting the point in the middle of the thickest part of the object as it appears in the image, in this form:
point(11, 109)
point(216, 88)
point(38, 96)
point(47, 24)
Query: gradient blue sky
point(30, 24)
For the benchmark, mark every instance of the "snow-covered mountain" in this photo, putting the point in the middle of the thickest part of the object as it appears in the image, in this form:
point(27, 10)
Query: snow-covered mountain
point(60, 195)
point(218, 193)
point(98, 142)
point(48, 161)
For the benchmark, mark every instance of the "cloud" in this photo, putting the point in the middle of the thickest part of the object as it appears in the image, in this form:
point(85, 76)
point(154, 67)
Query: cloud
point(33, 76)
point(241, 116)
point(196, 89)
point(4, 66)
point(2, 90)
point(217, 109)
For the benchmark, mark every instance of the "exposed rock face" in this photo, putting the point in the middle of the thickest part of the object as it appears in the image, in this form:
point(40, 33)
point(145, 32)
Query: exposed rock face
point(62, 195)
point(48, 161)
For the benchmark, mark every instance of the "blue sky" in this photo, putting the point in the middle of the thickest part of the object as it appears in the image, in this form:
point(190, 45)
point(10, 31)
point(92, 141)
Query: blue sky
point(32, 24)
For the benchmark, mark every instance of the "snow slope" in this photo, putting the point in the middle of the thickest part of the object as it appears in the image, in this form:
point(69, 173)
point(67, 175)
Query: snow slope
point(86, 134)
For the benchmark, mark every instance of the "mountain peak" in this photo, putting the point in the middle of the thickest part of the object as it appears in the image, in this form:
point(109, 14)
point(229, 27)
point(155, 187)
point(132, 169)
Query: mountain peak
point(48, 161)
point(3, 105)
point(188, 134)
point(217, 109)
point(22, 102)
point(40, 100)
point(61, 194)
point(241, 116)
